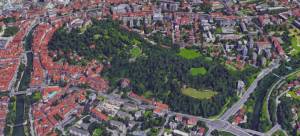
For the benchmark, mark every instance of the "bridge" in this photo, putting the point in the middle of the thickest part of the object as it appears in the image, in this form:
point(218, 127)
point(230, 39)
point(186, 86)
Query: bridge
point(18, 125)
point(27, 92)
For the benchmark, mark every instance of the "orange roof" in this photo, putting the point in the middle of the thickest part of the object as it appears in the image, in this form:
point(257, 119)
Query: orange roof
point(100, 115)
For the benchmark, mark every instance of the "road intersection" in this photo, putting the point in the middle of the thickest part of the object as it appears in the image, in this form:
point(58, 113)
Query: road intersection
point(222, 124)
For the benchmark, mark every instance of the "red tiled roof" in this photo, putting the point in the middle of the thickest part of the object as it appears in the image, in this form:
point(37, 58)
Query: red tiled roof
point(99, 114)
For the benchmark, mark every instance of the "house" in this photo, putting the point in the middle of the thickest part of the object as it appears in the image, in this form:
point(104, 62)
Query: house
point(226, 22)
point(192, 121)
point(157, 15)
point(298, 93)
point(201, 131)
point(138, 114)
point(264, 20)
point(124, 115)
point(297, 24)
point(139, 133)
point(277, 46)
point(181, 133)
point(173, 125)
point(125, 83)
point(169, 5)
point(121, 9)
point(159, 112)
point(118, 124)
point(240, 117)
point(110, 107)
point(243, 27)
point(78, 132)
point(92, 96)
point(99, 115)
point(131, 124)
point(262, 45)
point(129, 107)
point(178, 118)
point(240, 87)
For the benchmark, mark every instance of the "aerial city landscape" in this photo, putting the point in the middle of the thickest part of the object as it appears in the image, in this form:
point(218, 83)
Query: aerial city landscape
point(149, 67)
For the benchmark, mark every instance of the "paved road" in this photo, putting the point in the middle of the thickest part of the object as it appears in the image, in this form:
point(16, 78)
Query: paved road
point(217, 124)
point(274, 129)
point(238, 105)
point(222, 124)
point(32, 132)
point(161, 132)
point(277, 85)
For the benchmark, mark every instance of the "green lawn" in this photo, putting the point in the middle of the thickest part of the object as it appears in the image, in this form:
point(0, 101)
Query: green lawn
point(296, 45)
point(250, 79)
point(230, 67)
point(219, 30)
point(148, 94)
point(84, 28)
point(294, 76)
point(97, 132)
point(293, 94)
point(249, 106)
point(201, 71)
point(135, 52)
point(278, 133)
point(209, 59)
point(10, 31)
point(189, 53)
point(96, 37)
point(295, 41)
point(198, 94)
point(136, 42)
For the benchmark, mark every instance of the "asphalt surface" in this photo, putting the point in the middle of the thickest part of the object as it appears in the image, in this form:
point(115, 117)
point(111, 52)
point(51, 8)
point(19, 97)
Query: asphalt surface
point(238, 105)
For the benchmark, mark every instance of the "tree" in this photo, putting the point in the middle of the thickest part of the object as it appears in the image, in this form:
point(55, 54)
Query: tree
point(98, 132)
point(10, 31)
point(159, 71)
point(36, 96)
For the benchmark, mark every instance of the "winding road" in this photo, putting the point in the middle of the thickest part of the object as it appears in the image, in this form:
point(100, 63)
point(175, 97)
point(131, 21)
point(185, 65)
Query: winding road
point(238, 105)
point(277, 85)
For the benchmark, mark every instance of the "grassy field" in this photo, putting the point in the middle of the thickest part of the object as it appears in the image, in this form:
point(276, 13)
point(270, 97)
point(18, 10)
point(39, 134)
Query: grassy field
point(209, 59)
point(96, 37)
point(295, 41)
point(250, 79)
point(201, 71)
point(293, 94)
point(230, 67)
point(294, 76)
point(198, 94)
point(189, 53)
point(219, 30)
point(135, 52)
point(278, 133)
point(136, 42)
point(84, 28)
point(148, 94)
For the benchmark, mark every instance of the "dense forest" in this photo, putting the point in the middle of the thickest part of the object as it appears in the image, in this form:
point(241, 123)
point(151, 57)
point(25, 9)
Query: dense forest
point(285, 115)
point(158, 71)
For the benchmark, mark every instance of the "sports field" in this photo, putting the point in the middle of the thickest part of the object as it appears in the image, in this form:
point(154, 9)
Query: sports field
point(189, 53)
point(295, 41)
point(201, 71)
point(198, 94)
